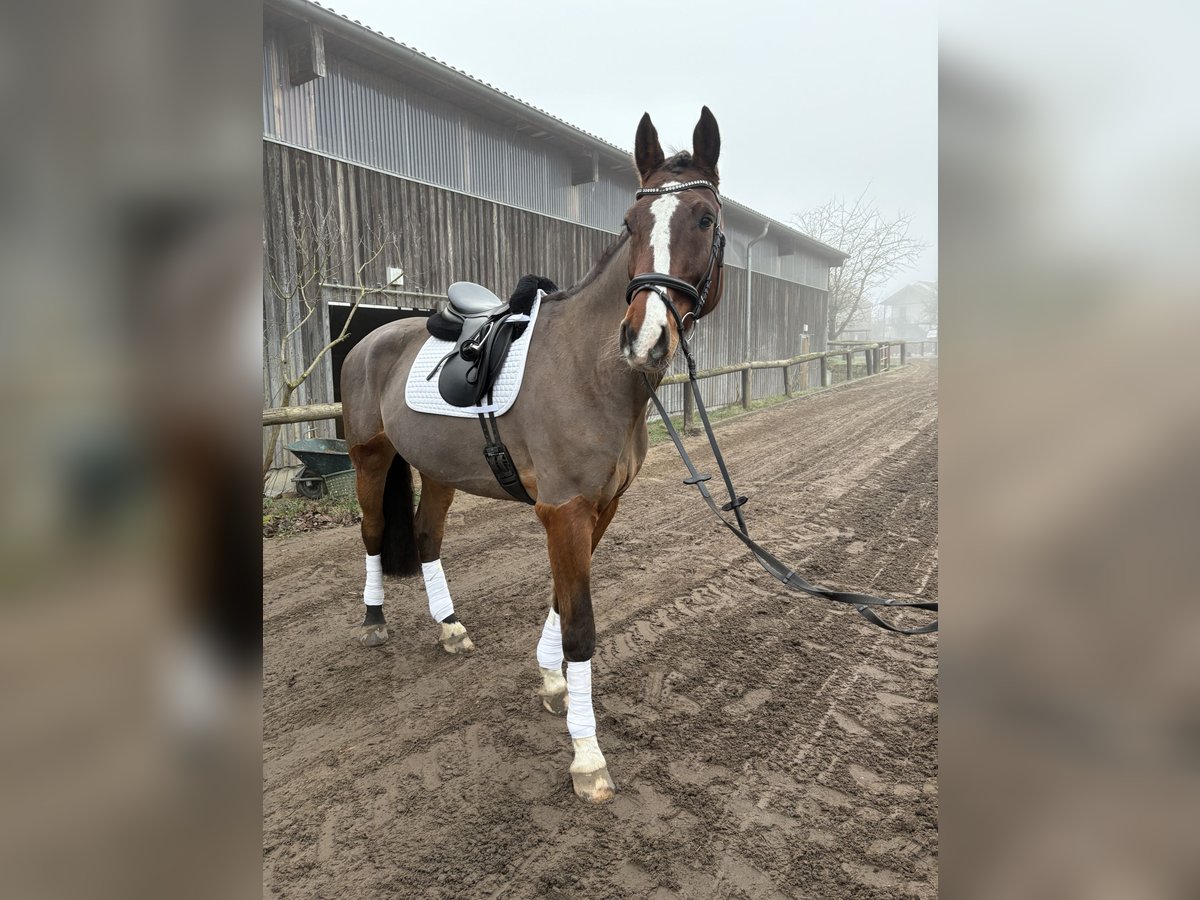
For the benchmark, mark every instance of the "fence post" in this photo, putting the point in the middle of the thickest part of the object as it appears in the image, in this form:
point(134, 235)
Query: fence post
point(802, 372)
point(689, 404)
point(849, 364)
point(787, 381)
point(903, 354)
point(747, 375)
point(824, 372)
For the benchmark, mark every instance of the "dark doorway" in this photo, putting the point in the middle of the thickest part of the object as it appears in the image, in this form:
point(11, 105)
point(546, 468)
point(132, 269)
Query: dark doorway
point(366, 319)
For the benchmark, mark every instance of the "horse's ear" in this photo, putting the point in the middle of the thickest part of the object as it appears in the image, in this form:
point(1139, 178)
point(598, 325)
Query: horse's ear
point(706, 141)
point(647, 152)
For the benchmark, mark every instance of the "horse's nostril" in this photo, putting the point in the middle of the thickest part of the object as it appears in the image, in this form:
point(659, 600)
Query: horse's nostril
point(660, 346)
point(625, 336)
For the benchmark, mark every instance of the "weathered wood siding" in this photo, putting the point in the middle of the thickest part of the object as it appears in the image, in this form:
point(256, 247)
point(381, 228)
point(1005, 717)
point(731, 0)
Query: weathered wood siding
point(444, 236)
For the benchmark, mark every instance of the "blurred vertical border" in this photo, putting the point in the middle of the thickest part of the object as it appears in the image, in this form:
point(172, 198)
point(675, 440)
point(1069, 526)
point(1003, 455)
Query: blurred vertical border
point(130, 365)
point(130, 619)
point(1070, 683)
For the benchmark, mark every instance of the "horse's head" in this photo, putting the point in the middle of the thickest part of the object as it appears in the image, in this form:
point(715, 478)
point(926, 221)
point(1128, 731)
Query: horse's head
point(676, 244)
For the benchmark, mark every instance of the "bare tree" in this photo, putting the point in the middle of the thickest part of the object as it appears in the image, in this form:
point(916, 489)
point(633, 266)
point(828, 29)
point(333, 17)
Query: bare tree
point(314, 257)
point(879, 249)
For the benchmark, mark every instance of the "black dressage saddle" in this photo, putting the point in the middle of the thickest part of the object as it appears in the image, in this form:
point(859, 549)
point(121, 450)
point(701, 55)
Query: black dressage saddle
point(483, 328)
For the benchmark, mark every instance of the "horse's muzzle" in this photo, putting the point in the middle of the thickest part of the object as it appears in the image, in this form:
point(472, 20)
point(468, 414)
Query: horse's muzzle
point(650, 359)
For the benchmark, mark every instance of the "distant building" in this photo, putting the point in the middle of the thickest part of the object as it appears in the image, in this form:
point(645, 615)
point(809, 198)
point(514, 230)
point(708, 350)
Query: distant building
point(911, 313)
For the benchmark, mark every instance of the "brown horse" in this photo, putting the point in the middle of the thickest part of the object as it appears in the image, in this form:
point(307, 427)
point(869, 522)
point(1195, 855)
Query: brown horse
point(592, 350)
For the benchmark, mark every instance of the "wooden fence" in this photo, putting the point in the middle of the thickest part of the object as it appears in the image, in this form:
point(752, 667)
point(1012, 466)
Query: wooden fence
point(927, 347)
point(877, 357)
point(837, 366)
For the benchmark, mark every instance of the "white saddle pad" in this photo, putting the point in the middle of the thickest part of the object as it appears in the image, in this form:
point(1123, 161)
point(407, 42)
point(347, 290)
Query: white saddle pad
point(423, 396)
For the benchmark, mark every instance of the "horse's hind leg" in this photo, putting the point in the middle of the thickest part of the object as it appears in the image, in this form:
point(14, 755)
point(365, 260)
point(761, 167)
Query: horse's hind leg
point(436, 498)
point(372, 461)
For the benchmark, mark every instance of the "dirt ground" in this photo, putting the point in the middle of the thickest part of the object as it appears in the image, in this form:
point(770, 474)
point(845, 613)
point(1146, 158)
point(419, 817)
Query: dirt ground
point(763, 744)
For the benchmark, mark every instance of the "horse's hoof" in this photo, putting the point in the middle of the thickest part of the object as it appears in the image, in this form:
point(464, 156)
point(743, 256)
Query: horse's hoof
point(372, 635)
point(555, 703)
point(454, 638)
point(594, 787)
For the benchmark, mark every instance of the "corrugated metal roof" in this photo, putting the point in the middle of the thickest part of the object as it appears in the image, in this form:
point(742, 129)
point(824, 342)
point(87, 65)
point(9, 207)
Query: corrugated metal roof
point(297, 6)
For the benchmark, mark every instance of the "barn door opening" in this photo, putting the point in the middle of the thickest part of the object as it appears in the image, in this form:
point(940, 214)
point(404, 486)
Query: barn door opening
point(366, 319)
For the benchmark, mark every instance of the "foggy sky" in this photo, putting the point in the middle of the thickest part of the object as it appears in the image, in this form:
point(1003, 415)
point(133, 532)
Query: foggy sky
point(813, 100)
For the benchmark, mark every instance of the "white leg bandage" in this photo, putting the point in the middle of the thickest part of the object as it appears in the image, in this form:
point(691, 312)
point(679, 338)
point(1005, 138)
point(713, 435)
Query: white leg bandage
point(549, 648)
point(440, 604)
point(373, 592)
point(581, 721)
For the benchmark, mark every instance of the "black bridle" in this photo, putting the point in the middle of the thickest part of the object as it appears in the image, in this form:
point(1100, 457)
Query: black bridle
point(660, 281)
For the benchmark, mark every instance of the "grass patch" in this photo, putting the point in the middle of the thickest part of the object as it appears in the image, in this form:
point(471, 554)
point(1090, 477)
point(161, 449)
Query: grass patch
point(296, 515)
point(658, 431)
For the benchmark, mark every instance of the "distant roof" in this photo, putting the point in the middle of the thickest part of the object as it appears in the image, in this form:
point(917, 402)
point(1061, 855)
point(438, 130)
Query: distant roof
point(913, 293)
point(452, 83)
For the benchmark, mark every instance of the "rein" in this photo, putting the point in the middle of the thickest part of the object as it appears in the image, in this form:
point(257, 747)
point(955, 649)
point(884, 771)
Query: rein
point(861, 602)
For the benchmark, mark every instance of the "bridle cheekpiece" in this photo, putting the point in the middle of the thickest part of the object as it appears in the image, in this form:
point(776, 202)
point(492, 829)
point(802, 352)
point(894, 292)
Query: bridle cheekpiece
point(658, 282)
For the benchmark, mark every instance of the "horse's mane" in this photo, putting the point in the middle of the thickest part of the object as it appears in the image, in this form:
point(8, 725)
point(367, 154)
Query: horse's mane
point(605, 258)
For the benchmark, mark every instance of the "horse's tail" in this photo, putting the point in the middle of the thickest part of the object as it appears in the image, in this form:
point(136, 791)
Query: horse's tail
point(399, 549)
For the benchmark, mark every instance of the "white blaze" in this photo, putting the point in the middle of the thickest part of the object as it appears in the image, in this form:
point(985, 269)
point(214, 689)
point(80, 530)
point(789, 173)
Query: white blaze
point(655, 320)
point(663, 210)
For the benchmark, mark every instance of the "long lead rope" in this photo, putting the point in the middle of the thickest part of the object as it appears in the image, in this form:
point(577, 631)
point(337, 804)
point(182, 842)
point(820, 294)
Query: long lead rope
point(861, 602)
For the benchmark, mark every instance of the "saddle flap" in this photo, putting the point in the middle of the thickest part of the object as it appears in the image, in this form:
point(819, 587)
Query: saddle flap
point(466, 378)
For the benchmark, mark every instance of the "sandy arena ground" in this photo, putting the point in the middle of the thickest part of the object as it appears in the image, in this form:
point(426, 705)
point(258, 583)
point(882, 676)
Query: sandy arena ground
point(763, 744)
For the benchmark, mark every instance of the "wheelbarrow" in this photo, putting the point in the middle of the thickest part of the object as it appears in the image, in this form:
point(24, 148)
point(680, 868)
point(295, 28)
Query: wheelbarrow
point(327, 468)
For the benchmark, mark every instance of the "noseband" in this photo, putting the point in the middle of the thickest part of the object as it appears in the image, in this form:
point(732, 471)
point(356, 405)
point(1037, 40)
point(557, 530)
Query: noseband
point(660, 281)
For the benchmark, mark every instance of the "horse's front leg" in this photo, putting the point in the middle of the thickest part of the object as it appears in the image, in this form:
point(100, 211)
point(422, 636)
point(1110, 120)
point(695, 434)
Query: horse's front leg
point(550, 648)
point(570, 530)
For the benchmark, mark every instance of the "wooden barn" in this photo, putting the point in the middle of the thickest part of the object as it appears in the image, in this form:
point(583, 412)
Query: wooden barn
point(388, 170)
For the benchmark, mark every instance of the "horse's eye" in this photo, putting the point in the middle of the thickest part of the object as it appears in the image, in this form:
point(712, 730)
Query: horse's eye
point(706, 222)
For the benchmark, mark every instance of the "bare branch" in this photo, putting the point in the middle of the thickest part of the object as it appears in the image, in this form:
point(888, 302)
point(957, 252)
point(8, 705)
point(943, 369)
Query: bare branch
point(879, 248)
point(315, 253)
